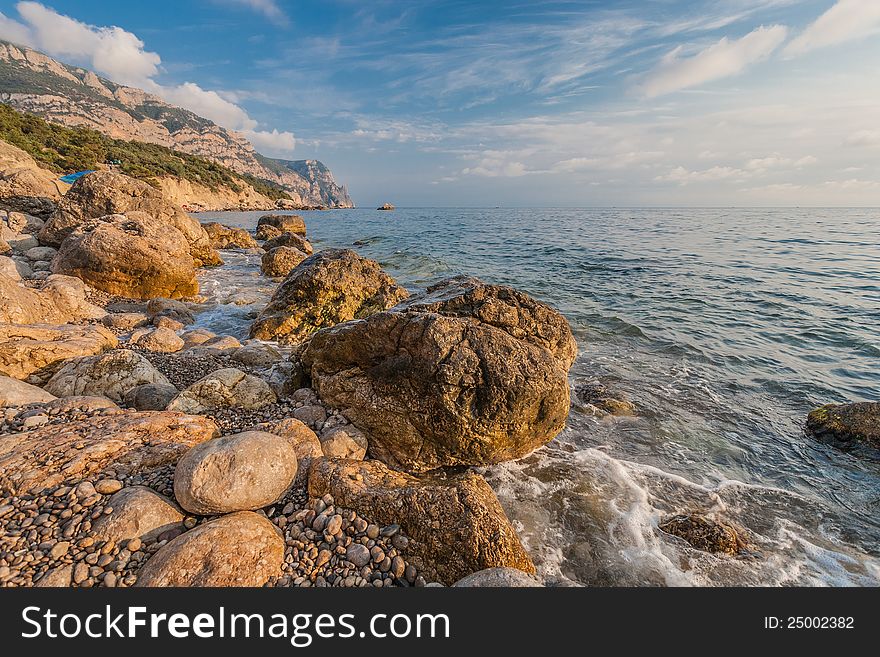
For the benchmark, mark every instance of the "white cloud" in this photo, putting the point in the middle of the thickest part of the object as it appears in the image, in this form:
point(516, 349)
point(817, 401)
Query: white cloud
point(864, 138)
point(779, 162)
point(120, 56)
point(269, 8)
point(684, 177)
point(846, 21)
point(720, 60)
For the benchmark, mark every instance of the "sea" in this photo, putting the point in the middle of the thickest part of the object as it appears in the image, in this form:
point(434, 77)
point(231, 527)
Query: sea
point(724, 327)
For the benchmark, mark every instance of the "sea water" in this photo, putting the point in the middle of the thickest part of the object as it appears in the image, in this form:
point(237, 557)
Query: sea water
point(723, 326)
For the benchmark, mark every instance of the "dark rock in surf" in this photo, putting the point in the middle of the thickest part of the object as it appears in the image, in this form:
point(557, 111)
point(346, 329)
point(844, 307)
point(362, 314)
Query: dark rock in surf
point(849, 427)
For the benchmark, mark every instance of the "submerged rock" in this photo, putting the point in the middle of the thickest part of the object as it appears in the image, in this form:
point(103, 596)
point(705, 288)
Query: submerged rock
point(468, 374)
point(455, 525)
point(602, 402)
point(244, 472)
point(849, 427)
point(704, 533)
point(331, 287)
point(242, 549)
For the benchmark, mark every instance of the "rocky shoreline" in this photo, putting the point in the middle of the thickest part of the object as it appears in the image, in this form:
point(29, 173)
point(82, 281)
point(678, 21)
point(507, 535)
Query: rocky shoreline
point(335, 447)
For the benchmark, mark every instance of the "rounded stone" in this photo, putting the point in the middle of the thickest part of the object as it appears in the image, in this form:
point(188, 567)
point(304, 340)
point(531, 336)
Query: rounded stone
point(506, 578)
point(246, 471)
point(358, 554)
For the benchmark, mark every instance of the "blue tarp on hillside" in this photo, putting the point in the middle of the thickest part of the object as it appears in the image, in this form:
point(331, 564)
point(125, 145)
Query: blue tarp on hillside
point(73, 177)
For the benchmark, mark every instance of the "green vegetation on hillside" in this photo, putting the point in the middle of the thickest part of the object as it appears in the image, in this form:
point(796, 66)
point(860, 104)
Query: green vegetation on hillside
point(67, 150)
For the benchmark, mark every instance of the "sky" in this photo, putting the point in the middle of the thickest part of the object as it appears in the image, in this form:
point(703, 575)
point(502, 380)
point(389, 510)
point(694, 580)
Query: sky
point(517, 103)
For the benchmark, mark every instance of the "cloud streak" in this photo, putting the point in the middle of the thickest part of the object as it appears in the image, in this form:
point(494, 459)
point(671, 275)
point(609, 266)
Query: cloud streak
point(846, 21)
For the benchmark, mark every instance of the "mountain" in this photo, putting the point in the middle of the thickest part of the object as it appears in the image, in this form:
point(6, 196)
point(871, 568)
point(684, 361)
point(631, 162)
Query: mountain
point(35, 83)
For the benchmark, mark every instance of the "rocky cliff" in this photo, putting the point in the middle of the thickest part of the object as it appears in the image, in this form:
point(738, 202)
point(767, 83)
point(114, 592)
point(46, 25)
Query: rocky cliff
point(35, 83)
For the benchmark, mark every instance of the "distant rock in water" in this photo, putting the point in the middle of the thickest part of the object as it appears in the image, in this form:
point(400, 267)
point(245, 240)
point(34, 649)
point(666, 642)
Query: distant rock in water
point(849, 427)
point(387, 208)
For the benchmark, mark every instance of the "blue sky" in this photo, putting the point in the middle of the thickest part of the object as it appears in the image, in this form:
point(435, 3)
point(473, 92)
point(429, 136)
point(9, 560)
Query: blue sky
point(635, 102)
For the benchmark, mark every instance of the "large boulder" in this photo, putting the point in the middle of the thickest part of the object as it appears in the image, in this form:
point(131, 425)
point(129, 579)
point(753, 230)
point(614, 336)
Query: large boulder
point(26, 187)
point(61, 299)
point(109, 375)
point(849, 427)
point(18, 393)
point(38, 350)
point(227, 388)
point(326, 289)
point(128, 443)
point(107, 193)
point(279, 262)
point(132, 255)
point(303, 441)
point(150, 396)
point(224, 237)
point(467, 374)
point(267, 232)
point(160, 341)
point(455, 524)
point(290, 240)
point(244, 472)
point(137, 512)
point(284, 222)
point(242, 550)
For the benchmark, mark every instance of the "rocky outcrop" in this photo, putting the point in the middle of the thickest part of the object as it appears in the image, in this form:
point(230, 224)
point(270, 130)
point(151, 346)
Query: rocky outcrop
point(467, 374)
point(61, 299)
point(285, 223)
point(291, 240)
point(38, 350)
point(455, 525)
point(37, 84)
point(224, 237)
point(279, 262)
point(387, 207)
point(24, 185)
point(227, 388)
point(106, 193)
point(109, 375)
point(137, 512)
point(331, 287)
point(244, 472)
point(128, 443)
point(849, 427)
point(242, 549)
point(18, 393)
point(134, 255)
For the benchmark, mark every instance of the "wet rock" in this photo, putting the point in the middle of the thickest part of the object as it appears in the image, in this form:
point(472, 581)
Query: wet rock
point(127, 443)
point(504, 578)
point(224, 237)
point(466, 374)
point(704, 533)
point(244, 472)
point(227, 388)
point(39, 350)
point(328, 288)
point(456, 525)
point(242, 549)
point(849, 427)
point(109, 375)
point(138, 512)
point(280, 261)
point(602, 402)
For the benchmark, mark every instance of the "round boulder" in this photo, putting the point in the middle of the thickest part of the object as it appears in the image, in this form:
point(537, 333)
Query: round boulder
point(161, 341)
point(228, 388)
point(138, 512)
point(280, 261)
point(150, 397)
point(109, 375)
point(243, 472)
point(241, 550)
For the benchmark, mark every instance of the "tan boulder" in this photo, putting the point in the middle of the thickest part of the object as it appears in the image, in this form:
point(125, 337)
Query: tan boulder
point(40, 349)
point(290, 240)
point(107, 193)
point(304, 442)
point(161, 341)
point(24, 185)
point(239, 550)
point(279, 262)
point(18, 393)
point(244, 472)
point(108, 375)
point(326, 289)
point(449, 379)
point(267, 232)
point(285, 223)
point(138, 512)
point(129, 443)
point(132, 255)
point(227, 388)
point(224, 237)
point(61, 299)
point(455, 524)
